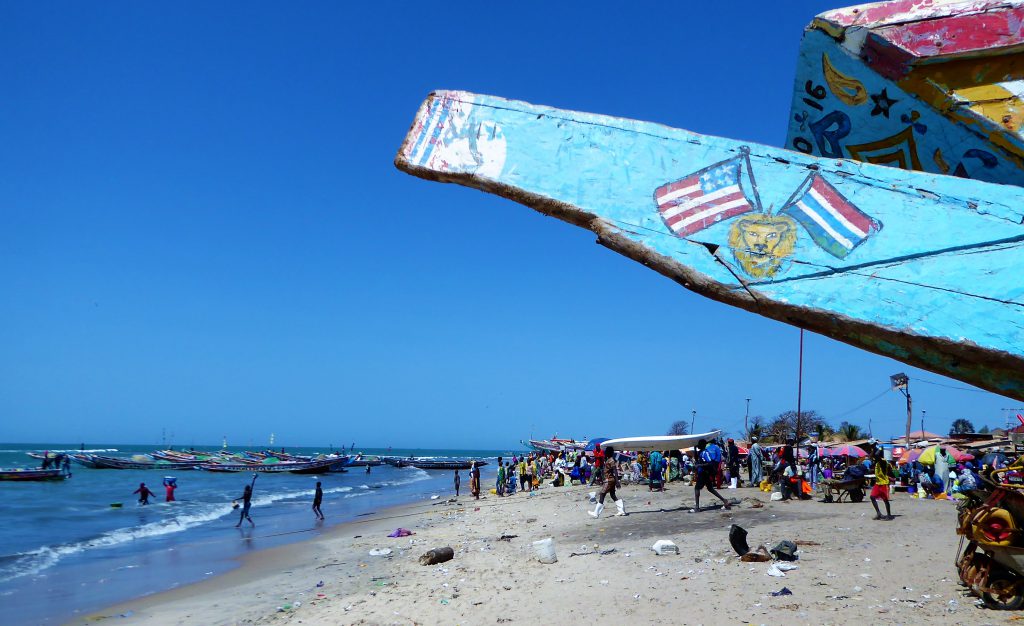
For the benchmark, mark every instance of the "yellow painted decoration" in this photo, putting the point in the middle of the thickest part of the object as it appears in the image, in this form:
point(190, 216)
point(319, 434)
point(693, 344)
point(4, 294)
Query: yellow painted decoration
point(849, 90)
point(761, 243)
point(940, 161)
point(996, 103)
point(899, 150)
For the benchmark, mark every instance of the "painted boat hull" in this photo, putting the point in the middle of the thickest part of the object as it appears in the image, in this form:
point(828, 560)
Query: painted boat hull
point(315, 467)
point(658, 442)
point(445, 465)
point(32, 475)
point(930, 279)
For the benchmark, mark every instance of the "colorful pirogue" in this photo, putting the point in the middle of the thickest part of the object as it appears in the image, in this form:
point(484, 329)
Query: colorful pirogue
point(915, 265)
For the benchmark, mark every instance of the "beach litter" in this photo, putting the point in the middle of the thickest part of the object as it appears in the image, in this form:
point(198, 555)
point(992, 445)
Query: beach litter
point(401, 532)
point(380, 552)
point(782, 592)
point(780, 569)
point(545, 550)
point(508, 538)
point(437, 555)
point(662, 547)
point(784, 551)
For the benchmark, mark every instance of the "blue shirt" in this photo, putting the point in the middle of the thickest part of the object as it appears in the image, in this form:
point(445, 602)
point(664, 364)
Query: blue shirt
point(711, 454)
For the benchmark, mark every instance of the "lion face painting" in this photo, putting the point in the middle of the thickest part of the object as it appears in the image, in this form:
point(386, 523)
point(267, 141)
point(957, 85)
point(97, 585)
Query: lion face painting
point(761, 243)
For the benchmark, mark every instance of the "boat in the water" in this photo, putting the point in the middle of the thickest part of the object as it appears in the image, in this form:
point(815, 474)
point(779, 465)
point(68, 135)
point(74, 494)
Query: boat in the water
point(138, 462)
point(320, 466)
point(364, 461)
point(33, 474)
point(918, 267)
point(432, 464)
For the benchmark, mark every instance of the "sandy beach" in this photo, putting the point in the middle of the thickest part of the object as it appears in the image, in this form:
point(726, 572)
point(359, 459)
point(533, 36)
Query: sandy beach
point(850, 567)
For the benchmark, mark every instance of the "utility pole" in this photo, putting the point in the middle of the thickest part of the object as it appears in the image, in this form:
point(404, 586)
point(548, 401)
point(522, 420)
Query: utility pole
point(693, 418)
point(922, 422)
point(746, 417)
point(902, 382)
point(800, 388)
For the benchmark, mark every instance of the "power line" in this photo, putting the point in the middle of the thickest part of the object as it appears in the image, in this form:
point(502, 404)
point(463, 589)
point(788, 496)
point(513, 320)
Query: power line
point(859, 407)
point(939, 384)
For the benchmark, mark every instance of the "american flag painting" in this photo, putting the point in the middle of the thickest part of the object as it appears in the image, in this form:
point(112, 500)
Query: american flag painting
point(703, 198)
point(832, 221)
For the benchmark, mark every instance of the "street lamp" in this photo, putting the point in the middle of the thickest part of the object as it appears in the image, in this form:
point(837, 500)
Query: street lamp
point(746, 416)
point(902, 382)
point(922, 422)
point(693, 418)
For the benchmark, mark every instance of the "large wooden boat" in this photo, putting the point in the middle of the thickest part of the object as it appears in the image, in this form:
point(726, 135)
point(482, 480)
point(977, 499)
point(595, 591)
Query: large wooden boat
point(97, 461)
point(919, 267)
point(320, 466)
point(32, 474)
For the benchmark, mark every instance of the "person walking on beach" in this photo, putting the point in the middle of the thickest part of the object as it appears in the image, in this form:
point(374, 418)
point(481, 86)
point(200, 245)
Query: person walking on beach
point(144, 494)
point(734, 464)
point(246, 505)
point(709, 457)
point(611, 481)
point(474, 481)
point(500, 486)
point(318, 497)
point(458, 481)
point(883, 474)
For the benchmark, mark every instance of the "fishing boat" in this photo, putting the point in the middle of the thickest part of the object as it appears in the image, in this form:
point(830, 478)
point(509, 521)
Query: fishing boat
point(444, 465)
point(556, 445)
point(658, 442)
point(32, 474)
point(321, 466)
point(919, 267)
point(138, 462)
point(364, 461)
point(431, 464)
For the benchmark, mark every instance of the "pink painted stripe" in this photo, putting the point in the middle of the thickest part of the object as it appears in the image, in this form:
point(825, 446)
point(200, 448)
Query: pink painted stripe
point(958, 34)
point(844, 206)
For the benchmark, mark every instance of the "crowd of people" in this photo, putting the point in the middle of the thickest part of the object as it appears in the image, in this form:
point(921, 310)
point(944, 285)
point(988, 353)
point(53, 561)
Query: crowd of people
point(785, 469)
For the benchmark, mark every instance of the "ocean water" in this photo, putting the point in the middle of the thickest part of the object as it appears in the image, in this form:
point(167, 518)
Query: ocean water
point(64, 551)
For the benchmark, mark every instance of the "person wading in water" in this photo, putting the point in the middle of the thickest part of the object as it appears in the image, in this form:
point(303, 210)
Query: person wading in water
point(246, 505)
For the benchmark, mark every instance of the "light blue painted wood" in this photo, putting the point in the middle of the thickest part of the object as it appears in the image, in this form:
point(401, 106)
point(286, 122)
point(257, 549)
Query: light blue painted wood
point(883, 123)
point(934, 277)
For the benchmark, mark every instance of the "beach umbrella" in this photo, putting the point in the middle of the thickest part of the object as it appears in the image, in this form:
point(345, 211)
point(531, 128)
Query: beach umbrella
point(991, 458)
point(928, 456)
point(909, 456)
point(848, 450)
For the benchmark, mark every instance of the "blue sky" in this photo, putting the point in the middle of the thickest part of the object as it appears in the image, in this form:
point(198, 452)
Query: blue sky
point(202, 230)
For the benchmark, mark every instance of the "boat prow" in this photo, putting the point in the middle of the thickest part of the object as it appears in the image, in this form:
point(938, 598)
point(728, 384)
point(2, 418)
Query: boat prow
point(919, 267)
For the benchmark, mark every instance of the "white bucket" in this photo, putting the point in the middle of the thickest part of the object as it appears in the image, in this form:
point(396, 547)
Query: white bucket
point(545, 549)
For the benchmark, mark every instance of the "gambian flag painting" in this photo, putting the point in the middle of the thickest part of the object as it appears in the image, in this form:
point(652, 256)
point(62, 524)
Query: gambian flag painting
point(832, 221)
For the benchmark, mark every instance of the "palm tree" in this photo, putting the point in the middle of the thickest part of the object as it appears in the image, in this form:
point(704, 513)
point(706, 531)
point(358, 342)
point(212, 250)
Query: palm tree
point(755, 427)
point(849, 432)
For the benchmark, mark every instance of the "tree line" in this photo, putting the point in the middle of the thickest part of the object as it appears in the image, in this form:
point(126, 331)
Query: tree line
point(810, 424)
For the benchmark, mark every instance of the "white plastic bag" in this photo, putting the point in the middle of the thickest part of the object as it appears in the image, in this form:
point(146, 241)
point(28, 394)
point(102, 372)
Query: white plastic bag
point(664, 546)
point(545, 549)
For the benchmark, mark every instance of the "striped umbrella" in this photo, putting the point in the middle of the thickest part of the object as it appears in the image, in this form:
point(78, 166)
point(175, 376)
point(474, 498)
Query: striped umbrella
point(848, 450)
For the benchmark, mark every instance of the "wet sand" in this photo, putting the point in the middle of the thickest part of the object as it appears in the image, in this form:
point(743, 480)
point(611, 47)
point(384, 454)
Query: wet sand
point(851, 568)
